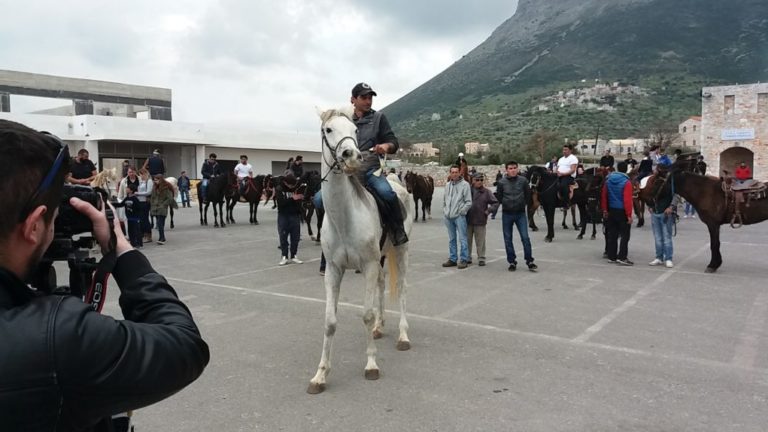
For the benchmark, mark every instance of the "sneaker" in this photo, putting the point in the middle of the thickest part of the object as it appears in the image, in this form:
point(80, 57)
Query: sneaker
point(295, 260)
point(624, 262)
point(469, 262)
point(693, 216)
point(685, 216)
point(449, 263)
point(668, 263)
point(656, 262)
point(283, 261)
point(481, 263)
point(512, 267)
point(462, 265)
point(532, 267)
point(161, 242)
point(322, 272)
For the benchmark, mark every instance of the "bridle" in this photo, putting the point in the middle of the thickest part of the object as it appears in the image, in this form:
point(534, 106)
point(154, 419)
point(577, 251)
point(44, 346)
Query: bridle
point(336, 164)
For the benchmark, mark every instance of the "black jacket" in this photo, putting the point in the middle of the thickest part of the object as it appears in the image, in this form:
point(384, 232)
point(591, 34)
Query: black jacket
point(513, 193)
point(64, 367)
point(210, 170)
point(285, 202)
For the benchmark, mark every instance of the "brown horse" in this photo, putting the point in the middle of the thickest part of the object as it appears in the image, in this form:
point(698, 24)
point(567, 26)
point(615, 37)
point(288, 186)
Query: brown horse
point(422, 188)
point(707, 195)
point(637, 203)
point(252, 194)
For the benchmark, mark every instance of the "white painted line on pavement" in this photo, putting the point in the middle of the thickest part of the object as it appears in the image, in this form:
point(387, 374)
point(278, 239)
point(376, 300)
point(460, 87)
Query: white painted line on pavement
point(259, 270)
point(749, 340)
point(648, 289)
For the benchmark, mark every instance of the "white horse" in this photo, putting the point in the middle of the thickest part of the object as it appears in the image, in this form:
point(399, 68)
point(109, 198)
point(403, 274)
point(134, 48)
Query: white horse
point(351, 233)
point(104, 180)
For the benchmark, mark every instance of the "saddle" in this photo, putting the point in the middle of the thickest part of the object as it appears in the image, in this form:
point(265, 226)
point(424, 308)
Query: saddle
point(738, 196)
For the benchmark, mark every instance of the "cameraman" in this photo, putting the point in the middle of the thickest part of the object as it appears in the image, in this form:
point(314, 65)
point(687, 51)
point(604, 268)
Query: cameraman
point(63, 366)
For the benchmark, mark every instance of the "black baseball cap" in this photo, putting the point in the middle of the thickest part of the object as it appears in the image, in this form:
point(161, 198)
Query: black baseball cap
point(362, 89)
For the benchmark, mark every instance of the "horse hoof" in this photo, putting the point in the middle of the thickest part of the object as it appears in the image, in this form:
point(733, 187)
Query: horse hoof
point(548, 239)
point(534, 229)
point(580, 237)
point(710, 270)
point(403, 345)
point(377, 334)
point(565, 227)
point(592, 238)
point(216, 225)
point(315, 388)
point(372, 374)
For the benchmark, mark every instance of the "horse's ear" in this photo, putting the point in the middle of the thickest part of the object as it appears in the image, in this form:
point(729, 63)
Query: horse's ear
point(319, 111)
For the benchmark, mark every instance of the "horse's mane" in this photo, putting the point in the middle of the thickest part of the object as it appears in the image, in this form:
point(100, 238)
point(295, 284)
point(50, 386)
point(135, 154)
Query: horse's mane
point(347, 112)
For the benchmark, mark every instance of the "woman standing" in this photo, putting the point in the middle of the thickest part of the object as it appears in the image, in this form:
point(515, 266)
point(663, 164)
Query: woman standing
point(144, 193)
point(161, 199)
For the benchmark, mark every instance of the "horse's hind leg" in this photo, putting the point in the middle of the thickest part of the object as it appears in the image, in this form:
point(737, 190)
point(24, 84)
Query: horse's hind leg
point(573, 217)
point(372, 271)
point(378, 326)
point(416, 206)
point(172, 225)
point(401, 268)
point(332, 284)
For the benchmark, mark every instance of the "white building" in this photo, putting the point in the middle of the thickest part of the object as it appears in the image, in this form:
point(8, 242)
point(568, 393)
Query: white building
point(689, 133)
point(106, 119)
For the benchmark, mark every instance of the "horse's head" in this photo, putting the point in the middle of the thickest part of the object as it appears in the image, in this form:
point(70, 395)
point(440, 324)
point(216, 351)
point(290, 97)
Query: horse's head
point(534, 174)
point(340, 141)
point(409, 178)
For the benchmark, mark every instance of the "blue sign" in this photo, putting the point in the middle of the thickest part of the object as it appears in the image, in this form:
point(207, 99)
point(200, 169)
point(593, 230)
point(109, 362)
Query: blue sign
point(737, 134)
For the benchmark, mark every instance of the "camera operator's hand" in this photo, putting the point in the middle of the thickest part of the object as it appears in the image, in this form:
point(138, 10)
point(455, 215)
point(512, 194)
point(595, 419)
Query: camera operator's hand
point(101, 226)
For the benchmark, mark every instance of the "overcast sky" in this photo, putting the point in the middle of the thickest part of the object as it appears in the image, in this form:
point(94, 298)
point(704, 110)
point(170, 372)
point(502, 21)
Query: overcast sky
point(255, 64)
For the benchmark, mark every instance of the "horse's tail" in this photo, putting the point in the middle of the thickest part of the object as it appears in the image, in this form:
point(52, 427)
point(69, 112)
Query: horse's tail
point(393, 276)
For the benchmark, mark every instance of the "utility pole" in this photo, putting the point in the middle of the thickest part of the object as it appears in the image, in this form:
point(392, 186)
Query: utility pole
point(597, 135)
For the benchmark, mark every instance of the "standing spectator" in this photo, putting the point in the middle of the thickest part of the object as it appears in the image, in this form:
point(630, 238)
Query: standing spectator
point(144, 192)
point(161, 200)
point(689, 210)
point(631, 162)
point(499, 176)
point(457, 200)
point(210, 169)
point(483, 203)
point(132, 207)
point(130, 179)
point(155, 164)
point(183, 185)
point(566, 173)
point(662, 220)
point(616, 202)
point(123, 173)
point(514, 192)
point(82, 170)
point(288, 218)
point(552, 164)
point(743, 173)
point(607, 160)
point(701, 166)
point(400, 176)
point(243, 171)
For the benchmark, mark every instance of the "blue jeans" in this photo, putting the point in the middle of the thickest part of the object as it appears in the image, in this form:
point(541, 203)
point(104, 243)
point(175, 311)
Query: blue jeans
point(184, 196)
point(689, 210)
point(160, 222)
point(508, 220)
point(662, 235)
point(457, 224)
point(378, 183)
point(203, 190)
point(288, 225)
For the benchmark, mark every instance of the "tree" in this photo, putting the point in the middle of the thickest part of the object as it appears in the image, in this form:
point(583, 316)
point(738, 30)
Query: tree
point(663, 134)
point(541, 145)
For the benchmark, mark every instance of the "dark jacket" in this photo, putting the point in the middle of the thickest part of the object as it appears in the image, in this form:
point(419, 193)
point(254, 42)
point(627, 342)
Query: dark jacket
point(483, 202)
point(132, 207)
point(297, 170)
point(373, 128)
point(64, 367)
point(607, 161)
point(210, 170)
point(513, 193)
point(155, 165)
point(183, 183)
point(285, 202)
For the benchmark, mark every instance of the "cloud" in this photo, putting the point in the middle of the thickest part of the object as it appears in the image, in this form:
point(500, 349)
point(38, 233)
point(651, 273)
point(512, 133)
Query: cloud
point(259, 64)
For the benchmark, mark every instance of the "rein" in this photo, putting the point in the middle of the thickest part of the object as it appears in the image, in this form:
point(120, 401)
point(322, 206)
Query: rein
point(335, 167)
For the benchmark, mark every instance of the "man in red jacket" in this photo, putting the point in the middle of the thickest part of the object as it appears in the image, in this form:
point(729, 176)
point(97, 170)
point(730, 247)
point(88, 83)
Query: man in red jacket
point(617, 213)
point(743, 172)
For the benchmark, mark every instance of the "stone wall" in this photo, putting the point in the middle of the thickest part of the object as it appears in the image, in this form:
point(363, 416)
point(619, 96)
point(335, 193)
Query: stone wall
point(735, 127)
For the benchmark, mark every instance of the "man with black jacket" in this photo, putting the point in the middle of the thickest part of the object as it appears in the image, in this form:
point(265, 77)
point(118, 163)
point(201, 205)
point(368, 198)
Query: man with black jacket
point(289, 218)
point(63, 366)
point(210, 169)
point(514, 192)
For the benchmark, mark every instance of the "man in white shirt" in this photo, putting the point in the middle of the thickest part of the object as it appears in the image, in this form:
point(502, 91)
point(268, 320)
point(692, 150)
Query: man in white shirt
point(243, 170)
point(566, 173)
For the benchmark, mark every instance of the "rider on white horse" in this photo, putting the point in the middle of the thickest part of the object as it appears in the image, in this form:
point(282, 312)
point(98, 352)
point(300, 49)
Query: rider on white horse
point(375, 138)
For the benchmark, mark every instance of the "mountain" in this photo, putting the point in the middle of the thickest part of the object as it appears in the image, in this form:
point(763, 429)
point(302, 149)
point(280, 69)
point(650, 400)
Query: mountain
point(571, 66)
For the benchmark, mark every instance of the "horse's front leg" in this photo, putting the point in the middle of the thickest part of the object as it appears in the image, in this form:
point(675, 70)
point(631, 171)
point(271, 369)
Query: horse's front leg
point(378, 326)
point(714, 245)
point(372, 271)
point(401, 268)
point(416, 207)
point(565, 216)
point(172, 225)
point(573, 216)
point(549, 213)
point(333, 275)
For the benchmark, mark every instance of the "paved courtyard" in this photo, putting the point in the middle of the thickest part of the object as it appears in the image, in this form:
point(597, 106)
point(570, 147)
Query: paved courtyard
point(581, 345)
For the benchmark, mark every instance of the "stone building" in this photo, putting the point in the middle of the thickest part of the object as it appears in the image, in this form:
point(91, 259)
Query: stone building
point(734, 128)
point(689, 133)
point(425, 150)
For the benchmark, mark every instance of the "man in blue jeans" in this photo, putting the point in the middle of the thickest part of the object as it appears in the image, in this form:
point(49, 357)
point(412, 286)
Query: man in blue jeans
point(662, 220)
point(457, 200)
point(513, 192)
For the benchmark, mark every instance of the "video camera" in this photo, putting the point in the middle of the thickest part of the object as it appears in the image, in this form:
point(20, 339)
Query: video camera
point(72, 242)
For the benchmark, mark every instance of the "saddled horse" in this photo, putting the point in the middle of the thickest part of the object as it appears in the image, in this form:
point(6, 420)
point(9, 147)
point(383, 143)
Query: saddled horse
point(353, 238)
point(546, 185)
point(254, 189)
point(174, 182)
point(714, 199)
point(587, 198)
point(422, 188)
point(638, 205)
point(215, 194)
point(312, 180)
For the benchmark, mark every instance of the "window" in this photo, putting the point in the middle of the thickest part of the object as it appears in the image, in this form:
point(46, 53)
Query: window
point(685, 129)
point(694, 143)
point(730, 104)
point(694, 128)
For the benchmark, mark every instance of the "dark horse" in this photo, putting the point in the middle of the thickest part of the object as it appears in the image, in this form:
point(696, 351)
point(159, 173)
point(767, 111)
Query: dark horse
point(707, 195)
point(253, 190)
point(422, 188)
point(216, 189)
point(637, 203)
point(587, 198)
point(546, 185)
point(311, 181)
